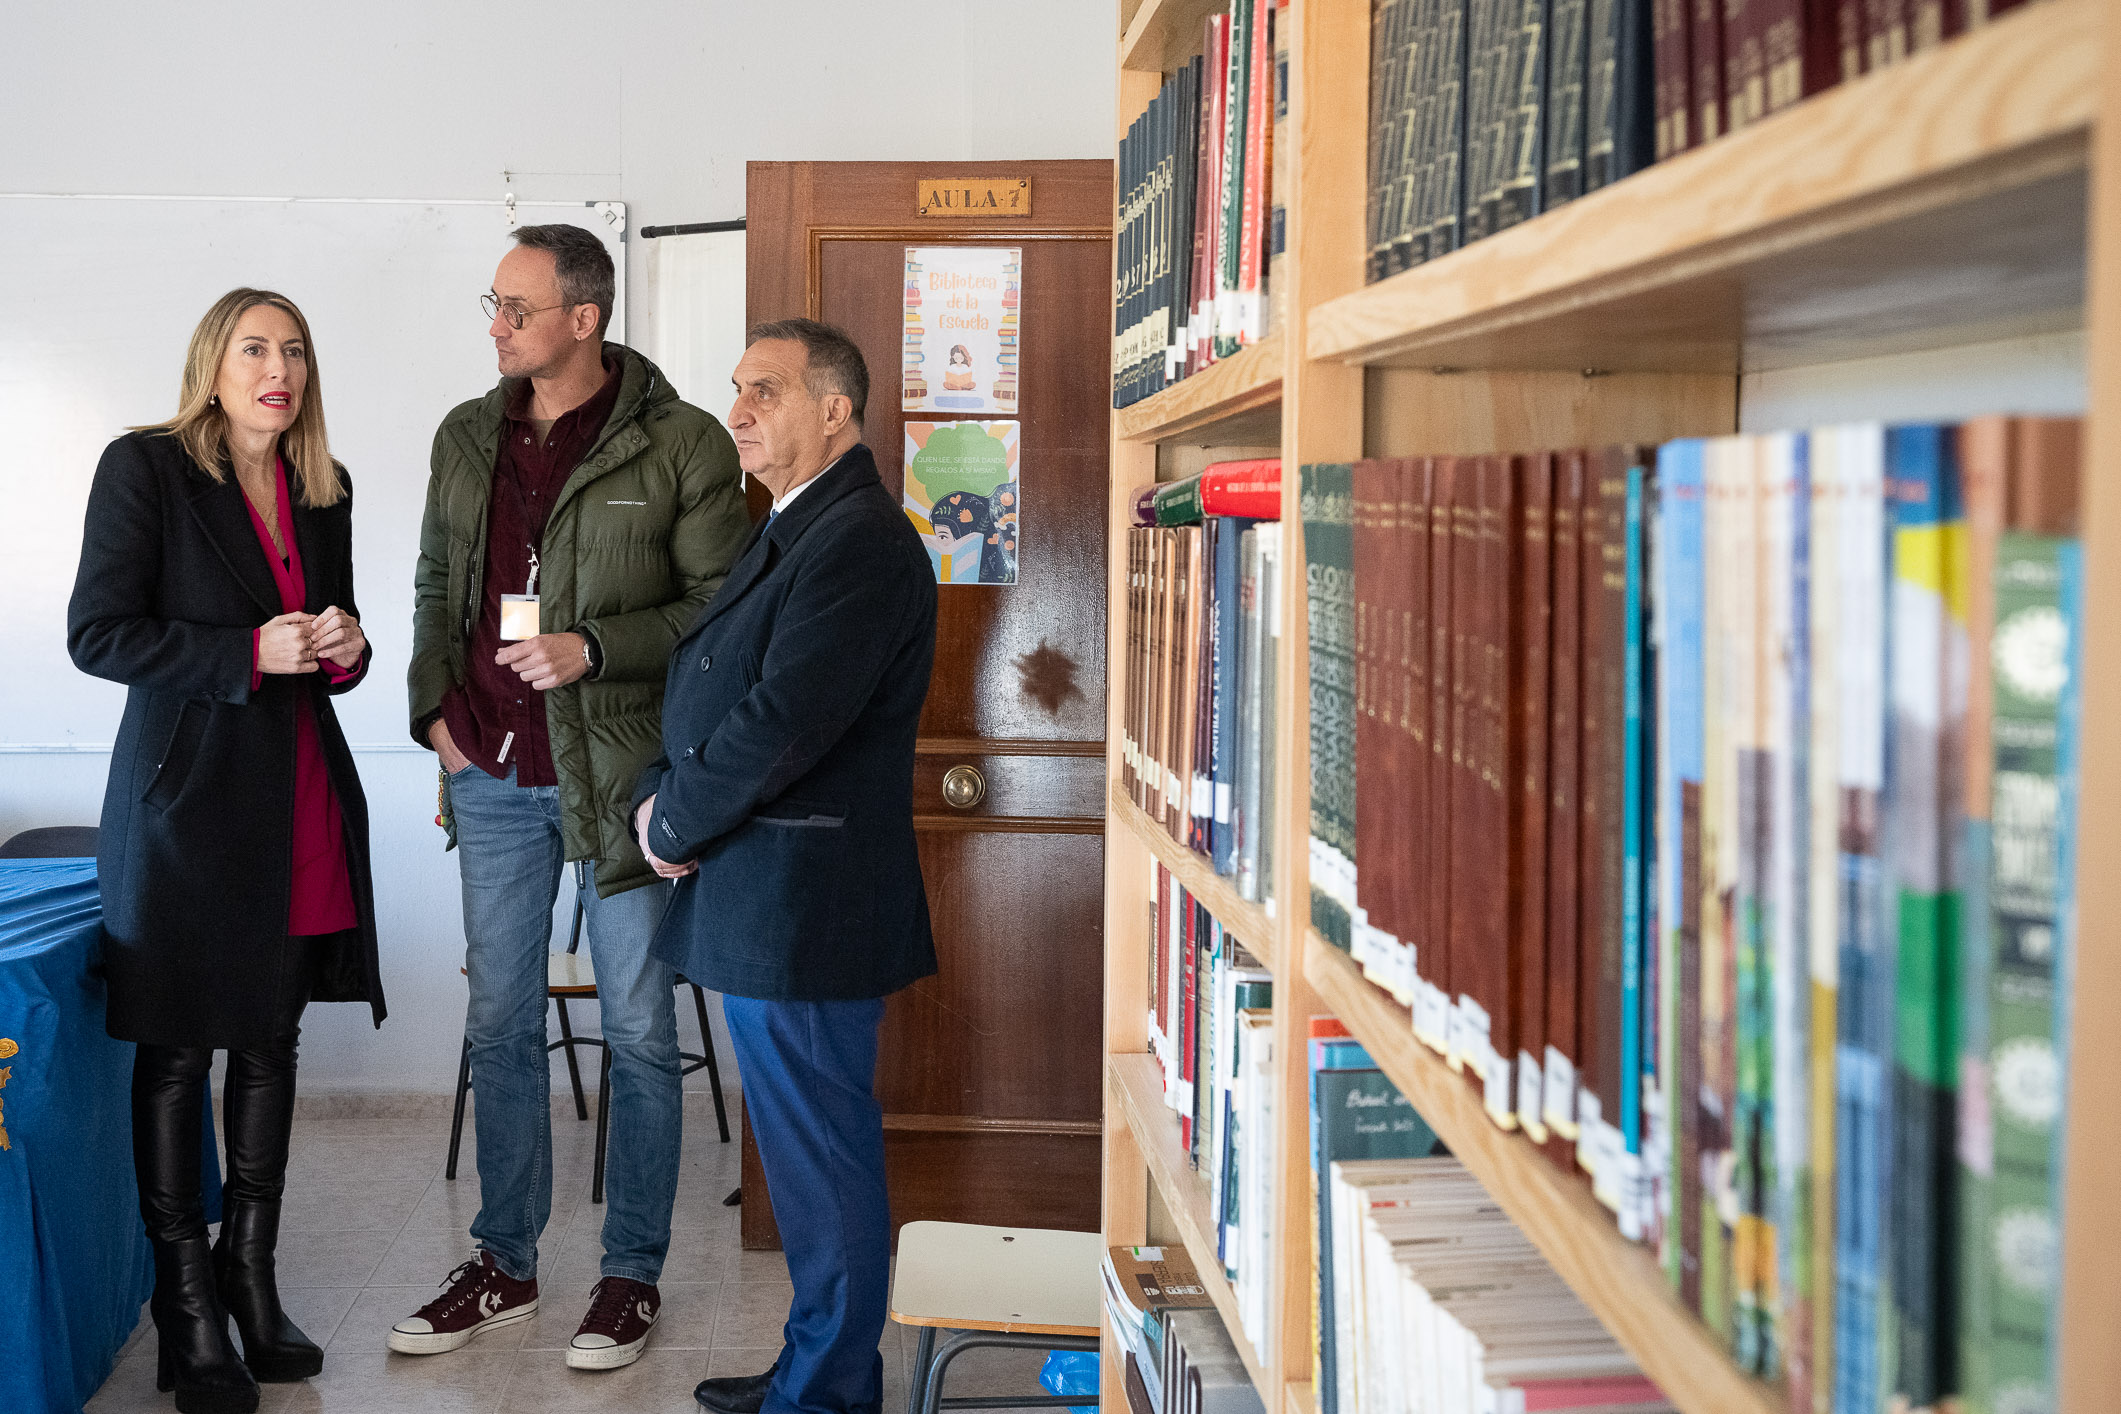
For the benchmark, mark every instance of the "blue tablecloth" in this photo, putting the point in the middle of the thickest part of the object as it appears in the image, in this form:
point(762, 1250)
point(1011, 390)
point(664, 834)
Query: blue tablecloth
point(74, 1261)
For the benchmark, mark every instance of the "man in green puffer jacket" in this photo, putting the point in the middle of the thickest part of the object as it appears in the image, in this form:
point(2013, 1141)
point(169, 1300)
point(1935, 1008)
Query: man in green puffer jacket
point(579, 517)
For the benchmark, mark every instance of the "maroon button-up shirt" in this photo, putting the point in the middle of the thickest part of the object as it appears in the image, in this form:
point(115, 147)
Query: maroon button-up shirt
point(496, 718)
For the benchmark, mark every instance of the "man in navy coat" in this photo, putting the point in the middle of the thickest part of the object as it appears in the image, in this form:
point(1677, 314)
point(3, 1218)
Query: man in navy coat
point(783, 806)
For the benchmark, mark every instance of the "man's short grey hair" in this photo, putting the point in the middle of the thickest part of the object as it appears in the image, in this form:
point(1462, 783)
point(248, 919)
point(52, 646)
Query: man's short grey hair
point(836, 364)
point(580, 262)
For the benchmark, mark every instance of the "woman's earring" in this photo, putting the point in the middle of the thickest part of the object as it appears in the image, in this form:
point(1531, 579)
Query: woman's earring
point(213, 400)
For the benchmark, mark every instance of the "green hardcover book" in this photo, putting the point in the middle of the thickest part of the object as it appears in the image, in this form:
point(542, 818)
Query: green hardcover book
point(1237, 91)
point(1327, 504)
point(2022, 1242)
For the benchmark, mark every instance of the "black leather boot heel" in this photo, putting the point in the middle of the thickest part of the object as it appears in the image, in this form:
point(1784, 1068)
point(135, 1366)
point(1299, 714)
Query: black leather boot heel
point(193, 1355)
point(273, 1346)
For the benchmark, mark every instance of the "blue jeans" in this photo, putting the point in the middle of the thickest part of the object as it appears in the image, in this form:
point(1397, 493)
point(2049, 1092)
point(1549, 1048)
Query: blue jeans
point(809, 1087)
point(508, 841)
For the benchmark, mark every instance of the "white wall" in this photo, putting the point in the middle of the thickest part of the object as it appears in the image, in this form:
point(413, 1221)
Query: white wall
point(654, 102)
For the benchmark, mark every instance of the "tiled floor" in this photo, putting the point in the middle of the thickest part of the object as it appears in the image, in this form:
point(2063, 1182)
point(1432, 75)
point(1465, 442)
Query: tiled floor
point(371, 1227)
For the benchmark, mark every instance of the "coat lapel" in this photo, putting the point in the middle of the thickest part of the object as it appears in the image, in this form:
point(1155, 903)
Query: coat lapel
point(219, 508)
point(854, 470)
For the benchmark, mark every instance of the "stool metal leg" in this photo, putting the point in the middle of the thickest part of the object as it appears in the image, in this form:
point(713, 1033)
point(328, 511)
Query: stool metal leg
point(456, 1123)
point(574, 1068)
point(714, 1071)
point(929, 1379)
point(922, 1354)
point(596, 1182)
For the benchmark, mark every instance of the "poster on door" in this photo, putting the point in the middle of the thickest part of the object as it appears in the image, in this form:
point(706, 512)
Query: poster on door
point(964, 495)
point(959, 354)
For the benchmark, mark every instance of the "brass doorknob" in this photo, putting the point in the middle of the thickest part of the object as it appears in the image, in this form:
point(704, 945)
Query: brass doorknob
point(964, 787)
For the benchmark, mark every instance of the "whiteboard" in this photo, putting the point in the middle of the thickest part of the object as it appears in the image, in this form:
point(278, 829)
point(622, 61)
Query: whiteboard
point(103, 295)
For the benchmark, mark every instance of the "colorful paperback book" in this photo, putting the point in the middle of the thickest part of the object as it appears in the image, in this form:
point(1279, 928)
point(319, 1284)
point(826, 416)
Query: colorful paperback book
point(1809, 1359)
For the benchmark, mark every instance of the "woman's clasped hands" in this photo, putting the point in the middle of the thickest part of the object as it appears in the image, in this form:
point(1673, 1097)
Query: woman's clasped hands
point(293, 643)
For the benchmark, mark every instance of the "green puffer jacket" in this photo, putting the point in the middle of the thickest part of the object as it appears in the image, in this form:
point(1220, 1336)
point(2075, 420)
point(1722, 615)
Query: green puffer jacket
point(639, 539)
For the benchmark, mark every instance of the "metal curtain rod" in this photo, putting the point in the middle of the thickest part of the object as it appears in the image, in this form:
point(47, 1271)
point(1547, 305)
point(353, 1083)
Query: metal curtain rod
point(695, 228)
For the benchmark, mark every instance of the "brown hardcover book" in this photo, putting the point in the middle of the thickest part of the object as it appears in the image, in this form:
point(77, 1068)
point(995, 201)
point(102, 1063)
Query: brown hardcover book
point(1472, 865)
point(1532, 646)
point(1502, 763)
point(1431, 1020)
point(1884, 33)
point(1164, 591)
point(1178, 764)
point(1705, 45)
point(1370, 562)
point(1744, 63)
point(1603, 707)
point(2047, 455)
point(1564, 753)
point(1413, 776)
point(1797, 39)
point(1673, 66)
point(1848, 38)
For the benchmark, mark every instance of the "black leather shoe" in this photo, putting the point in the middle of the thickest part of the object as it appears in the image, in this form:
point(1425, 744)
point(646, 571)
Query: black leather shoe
point(273, 1346)
point(735, 1394)
point(193, 1355)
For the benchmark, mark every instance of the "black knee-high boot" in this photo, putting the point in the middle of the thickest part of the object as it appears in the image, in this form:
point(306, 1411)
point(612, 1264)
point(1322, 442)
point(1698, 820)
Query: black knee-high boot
point(195, 1357)
point(258, 1111)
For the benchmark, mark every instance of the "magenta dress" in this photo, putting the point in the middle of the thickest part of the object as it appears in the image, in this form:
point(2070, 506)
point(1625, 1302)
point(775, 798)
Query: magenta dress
point(320, 896)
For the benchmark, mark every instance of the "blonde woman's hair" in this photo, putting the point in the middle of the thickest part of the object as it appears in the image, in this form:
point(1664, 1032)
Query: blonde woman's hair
point(202, 427)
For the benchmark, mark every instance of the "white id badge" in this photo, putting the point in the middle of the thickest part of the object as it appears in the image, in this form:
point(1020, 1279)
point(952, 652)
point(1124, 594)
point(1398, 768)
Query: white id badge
point(519, 616)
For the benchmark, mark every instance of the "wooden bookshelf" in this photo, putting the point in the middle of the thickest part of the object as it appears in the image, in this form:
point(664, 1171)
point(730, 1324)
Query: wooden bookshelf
point(1944, 196)
point(1959, 196)
point(1619, 1280)
point(1250, 922)
point(1229, 403)
point(1135, 1087)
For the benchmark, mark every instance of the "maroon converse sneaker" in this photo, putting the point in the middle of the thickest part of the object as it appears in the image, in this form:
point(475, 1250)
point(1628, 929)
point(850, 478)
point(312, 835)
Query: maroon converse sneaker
point(615, 1332)
point(477, 1296)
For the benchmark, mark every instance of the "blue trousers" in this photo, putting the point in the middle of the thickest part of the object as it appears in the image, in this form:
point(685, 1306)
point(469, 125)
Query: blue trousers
point(809, 1072)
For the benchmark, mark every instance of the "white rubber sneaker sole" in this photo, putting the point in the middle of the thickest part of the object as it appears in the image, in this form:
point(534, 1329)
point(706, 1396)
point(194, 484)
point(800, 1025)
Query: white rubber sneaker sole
point(437, 1342)
point(606, 1357)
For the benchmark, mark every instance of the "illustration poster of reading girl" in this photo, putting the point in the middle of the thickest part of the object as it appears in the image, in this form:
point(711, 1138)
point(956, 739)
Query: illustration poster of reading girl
point(964, 495)
point(959, 354)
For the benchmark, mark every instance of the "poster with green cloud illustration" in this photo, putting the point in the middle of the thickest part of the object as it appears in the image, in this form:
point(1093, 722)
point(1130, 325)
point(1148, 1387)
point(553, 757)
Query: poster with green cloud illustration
point(964, 495)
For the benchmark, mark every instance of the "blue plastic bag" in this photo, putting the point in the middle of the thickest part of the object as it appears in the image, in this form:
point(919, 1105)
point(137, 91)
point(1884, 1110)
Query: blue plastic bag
point(1071, 1372)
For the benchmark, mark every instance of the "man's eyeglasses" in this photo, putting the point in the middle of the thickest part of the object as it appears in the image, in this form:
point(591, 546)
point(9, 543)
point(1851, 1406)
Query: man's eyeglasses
point(514, 314)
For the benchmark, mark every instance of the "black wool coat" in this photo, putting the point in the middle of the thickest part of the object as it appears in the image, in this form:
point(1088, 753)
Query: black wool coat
point(195, 858)
point(789, 718)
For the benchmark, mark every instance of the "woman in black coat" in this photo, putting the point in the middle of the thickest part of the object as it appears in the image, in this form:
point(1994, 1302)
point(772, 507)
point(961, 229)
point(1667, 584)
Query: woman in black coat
point(216, 583)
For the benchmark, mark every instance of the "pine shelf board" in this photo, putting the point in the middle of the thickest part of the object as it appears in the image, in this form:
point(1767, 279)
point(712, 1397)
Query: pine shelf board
point(1247, 921)
point(1135, 1084)
point(1940, 201)
point(1234, 402)
point(1620, 1281)
point(1164, 34)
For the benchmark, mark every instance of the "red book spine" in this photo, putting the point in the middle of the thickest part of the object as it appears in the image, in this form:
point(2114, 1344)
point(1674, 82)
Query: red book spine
point(1431, 1020)
point(1849, 43)
point(1822, 45)
point(1744, 63)
point(1252, 223)
point(1672, 65)
point(1471, 864)
point(1564, 822)
point(1884, 33)
point(1502, 565)
point(1251, 489)
point(1705, 44)
point(1414, 774)
point(1781, 27)
point(1532, 642)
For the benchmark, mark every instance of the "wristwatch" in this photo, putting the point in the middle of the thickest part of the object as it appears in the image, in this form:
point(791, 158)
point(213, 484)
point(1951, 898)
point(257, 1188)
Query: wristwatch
point(593, 655)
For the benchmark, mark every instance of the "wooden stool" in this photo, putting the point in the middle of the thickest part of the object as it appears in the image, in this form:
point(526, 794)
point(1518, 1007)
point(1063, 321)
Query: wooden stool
point(1021, 1287)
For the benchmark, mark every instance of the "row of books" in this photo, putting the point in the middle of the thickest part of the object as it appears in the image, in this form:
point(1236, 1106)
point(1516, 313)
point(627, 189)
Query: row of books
point(1202, 192)
point(1484, 113)
point(1211, 1026)
point(1704, 804)
point(1203, 629)
point(1445, 1307)
point(1179, 1357)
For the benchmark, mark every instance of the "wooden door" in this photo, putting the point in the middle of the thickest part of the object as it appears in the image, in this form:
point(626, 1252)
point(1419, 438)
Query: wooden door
point(990, 1072)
